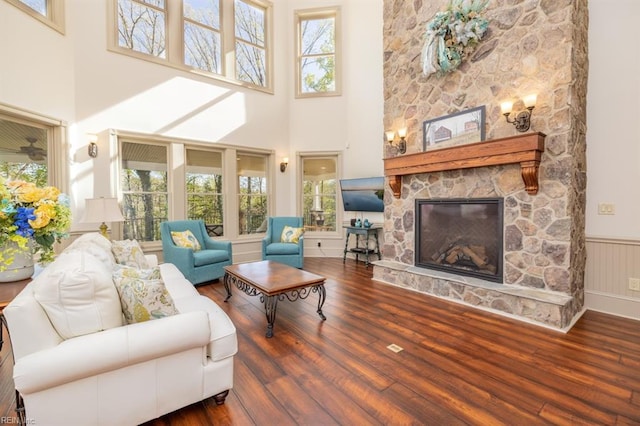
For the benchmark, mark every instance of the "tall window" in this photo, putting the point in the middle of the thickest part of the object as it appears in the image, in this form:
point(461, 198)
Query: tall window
point(317, 58)
point(141, 26)
point(251, 50)
point(204, 189)
point(49, 12)
point(226, 39)
point(202, 39)
point(144, 183)
point(319, 193)
point(253, 199)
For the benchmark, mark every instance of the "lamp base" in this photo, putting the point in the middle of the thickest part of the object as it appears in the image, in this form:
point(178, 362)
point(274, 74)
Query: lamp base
point(103, 230)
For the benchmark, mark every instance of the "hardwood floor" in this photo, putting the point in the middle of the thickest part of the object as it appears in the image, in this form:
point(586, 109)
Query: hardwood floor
point(458, 365)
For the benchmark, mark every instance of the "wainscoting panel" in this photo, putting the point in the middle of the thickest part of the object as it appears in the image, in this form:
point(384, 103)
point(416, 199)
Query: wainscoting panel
point(610, 264)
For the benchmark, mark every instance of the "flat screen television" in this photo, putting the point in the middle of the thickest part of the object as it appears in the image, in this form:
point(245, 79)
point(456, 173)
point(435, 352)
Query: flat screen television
point(363, 194)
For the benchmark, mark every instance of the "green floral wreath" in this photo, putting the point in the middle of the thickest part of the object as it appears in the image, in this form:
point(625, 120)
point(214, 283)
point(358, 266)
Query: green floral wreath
point(452, 35)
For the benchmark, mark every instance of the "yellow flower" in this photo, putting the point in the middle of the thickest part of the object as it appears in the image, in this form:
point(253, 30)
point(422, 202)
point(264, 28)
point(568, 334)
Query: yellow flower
point(44, 213)
point(50, 193)
point(28, 193)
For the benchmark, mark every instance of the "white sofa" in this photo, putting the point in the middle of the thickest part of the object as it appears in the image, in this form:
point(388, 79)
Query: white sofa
point(124, 374)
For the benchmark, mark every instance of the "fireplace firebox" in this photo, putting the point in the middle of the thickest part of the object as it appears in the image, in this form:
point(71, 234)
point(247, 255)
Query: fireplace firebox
point(460, 236)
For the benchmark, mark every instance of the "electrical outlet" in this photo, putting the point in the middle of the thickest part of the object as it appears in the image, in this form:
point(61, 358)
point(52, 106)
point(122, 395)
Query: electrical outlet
point(634, 284)
point(319, 244)
point(607, 208)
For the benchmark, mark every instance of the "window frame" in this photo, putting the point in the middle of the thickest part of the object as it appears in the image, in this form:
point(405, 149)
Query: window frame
point(175, 41)
point(177, 208)
point(311, 14)
point(57, 146)
point(168, 191)
point(301, 156)
point(268, 175)
point(55, 13)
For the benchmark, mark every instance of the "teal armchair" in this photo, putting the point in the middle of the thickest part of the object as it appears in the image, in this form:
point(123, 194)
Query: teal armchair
point(291, 254)
point(200, 266)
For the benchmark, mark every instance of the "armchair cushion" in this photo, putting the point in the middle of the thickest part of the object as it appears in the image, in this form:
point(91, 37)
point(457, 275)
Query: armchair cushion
point(206, 257)
point(291, 234)
point(144, 299)
point(129, 252)
point(186, 239)
point(282, 248)
point(78, 295)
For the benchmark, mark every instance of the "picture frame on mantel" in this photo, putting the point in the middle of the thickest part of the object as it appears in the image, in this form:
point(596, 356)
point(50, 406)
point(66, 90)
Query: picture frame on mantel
point(456, 129)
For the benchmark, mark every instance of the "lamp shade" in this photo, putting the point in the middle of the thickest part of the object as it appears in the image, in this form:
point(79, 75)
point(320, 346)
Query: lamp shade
point(102, 210)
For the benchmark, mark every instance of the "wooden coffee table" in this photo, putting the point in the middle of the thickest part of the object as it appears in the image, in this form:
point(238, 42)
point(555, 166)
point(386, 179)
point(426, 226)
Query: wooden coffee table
point(274, 281)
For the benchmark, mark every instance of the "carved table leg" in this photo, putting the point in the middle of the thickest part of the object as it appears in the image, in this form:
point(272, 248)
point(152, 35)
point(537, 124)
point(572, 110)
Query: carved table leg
point(322, 295)
point(227, 285)
point(270, 306)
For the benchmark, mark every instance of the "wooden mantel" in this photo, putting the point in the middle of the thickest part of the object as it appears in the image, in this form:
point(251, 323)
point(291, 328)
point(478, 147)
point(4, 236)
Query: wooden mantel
point(525, 149)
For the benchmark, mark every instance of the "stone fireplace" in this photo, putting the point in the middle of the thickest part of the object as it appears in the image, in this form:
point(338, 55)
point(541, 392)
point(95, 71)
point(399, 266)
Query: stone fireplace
point(532, 46)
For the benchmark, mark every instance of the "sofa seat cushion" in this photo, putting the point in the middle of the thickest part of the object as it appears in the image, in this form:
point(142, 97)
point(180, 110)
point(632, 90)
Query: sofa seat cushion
point(223, 342)
point(77, 293)
point(207, 257)
point(282, 248)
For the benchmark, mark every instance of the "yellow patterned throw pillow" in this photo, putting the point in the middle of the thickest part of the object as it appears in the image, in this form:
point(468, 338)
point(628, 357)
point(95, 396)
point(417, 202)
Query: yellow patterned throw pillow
point(186, 239)
point(291, 235)
point(143, 299)
point(129, 253)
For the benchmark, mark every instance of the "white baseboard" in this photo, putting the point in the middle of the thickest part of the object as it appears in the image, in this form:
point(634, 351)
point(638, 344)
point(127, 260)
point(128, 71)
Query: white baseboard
point(614, 304)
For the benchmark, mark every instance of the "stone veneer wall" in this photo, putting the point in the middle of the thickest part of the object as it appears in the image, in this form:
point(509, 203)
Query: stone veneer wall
point(532, 46)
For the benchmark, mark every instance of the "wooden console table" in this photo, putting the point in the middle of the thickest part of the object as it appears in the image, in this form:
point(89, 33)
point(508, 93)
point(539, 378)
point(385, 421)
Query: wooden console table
point(525, 149)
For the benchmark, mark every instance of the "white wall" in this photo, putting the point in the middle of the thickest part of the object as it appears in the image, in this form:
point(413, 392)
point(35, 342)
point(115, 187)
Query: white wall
point(613, 158)
point(613, 117)
point(36, 66)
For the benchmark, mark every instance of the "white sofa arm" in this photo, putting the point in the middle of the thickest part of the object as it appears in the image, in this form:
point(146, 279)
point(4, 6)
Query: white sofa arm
point(97, 353)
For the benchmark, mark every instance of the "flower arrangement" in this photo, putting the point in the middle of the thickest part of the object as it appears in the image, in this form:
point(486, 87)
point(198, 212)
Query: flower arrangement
point(452, 35)
point(31, 218)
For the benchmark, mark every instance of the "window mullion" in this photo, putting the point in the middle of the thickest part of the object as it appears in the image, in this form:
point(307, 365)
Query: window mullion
point(174, 31)
point(227, 31)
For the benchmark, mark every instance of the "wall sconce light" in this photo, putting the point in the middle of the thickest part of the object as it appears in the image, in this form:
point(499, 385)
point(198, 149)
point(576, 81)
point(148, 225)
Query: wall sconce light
point(92, 148)
point(402, 134)
point(284, 164)
point(522, 120)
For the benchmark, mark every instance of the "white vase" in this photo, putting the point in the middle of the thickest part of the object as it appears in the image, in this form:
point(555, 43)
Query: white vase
point(20, 269)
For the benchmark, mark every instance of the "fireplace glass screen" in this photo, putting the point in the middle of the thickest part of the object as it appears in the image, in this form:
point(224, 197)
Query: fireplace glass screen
point(461, 236)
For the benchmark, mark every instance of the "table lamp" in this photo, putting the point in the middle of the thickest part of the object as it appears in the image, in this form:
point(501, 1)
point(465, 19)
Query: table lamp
point(102, 210)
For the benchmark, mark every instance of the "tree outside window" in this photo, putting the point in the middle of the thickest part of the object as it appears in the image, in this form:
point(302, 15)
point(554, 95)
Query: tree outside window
point(204, 189)
point(253, 199)
point(143, 182)
point(251, 52)
point(199, 38)
point(317, 52)
point(202, 38)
